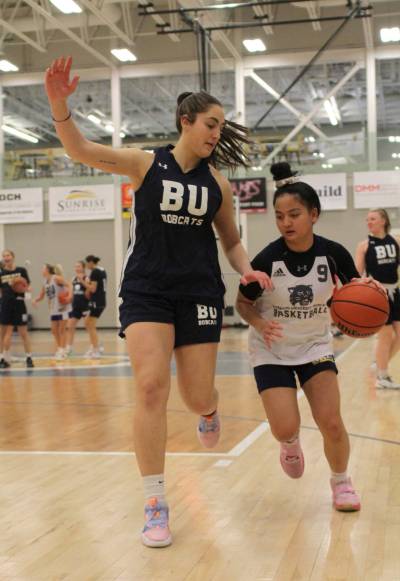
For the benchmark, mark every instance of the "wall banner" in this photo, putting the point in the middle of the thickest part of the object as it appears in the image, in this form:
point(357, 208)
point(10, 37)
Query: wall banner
point(252, 193)
point(376, 189)
point(19, 206)
point(81, 203)
point(331, 189)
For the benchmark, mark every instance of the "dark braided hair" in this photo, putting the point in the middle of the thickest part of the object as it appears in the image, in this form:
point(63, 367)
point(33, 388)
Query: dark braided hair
point(230, 150)
point(287, 182)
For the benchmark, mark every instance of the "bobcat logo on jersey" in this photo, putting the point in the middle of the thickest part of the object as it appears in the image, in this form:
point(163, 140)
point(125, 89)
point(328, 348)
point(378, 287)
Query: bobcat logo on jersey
point(301, 294)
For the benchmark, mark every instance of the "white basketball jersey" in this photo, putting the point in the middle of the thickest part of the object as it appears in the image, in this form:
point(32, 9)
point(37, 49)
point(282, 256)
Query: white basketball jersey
point(299, 304)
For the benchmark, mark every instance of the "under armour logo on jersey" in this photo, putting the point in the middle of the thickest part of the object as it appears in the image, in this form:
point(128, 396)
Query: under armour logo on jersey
point(302, 268)
point(163, 165)
point(279, 272)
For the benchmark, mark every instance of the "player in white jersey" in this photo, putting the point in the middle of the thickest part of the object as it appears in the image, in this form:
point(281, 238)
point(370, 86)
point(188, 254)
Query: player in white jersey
point(379, 256)
point(290, 336)
point(55, 286)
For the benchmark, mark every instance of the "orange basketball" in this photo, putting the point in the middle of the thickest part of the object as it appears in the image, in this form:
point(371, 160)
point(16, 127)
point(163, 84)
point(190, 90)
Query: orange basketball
point(64, 297)
point(20, 285)
point(360, 309)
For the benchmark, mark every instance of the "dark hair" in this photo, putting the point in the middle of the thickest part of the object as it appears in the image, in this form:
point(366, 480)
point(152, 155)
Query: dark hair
point(92, 258)
point(287, 182)
point(383, 214)
point(230, 150)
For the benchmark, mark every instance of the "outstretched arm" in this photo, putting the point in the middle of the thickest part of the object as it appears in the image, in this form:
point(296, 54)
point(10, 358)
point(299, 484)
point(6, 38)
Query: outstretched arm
point(124, 161)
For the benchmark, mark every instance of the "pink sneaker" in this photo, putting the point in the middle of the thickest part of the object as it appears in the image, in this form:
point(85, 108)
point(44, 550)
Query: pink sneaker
point(208, 430)
point(344, 497)
point(156, 531)
point(292, 459)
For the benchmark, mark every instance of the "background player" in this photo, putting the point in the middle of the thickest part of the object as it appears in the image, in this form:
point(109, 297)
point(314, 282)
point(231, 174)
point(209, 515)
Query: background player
point(13, 308)
point(96, 289)
point(80, 302)
point(379, 256)
point(55, 285)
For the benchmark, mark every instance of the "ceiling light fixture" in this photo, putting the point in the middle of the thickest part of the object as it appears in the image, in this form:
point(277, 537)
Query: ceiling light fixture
point(67, 6)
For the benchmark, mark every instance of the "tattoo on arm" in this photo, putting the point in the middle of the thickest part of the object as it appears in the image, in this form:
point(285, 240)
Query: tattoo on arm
point(106, 161)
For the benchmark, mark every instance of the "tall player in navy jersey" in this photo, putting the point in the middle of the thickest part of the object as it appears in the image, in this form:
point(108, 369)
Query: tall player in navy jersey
point(171, 286)
point(379, 256)
point(289, 333)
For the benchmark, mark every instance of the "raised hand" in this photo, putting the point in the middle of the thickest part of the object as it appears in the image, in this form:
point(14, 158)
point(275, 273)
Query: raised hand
point(57, 82)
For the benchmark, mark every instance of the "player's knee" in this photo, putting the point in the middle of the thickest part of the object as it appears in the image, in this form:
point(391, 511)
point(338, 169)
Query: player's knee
point(332, 427)
point(152, 393)
point(284, 432)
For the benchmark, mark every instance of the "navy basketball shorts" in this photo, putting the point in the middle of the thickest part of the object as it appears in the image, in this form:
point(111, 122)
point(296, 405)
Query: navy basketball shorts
point(269, 376)
point(394, 305)
point(95, 311)
point(14, 313)
point(78, 312)
point(193, 322)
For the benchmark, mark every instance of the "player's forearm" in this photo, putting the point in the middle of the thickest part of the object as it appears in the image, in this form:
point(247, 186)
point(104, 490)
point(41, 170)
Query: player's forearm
point(68, 133)
point(238, 258)
point(249, 313)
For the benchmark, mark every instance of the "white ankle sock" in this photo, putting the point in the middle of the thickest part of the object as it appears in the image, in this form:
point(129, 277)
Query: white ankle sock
point(339, 477)
point(154, 486)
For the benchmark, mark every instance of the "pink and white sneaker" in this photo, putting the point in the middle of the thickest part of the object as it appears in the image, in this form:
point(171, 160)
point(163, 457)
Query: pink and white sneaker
point(208, 430)
point(156, 531)
point(344, 497)
point(292, 459)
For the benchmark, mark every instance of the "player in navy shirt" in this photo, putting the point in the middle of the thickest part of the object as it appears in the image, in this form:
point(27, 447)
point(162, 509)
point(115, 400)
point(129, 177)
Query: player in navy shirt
point(13, 309)
point(379, 256)
point(96, 288)
point(171, 286)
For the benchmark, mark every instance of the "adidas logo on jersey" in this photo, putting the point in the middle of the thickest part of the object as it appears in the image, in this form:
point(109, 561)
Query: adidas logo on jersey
point(163, 165)
point(279, 272)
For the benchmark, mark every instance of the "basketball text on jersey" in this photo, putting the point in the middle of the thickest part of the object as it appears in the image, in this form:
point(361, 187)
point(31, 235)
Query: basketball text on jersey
point(172, 201)
point(206, 315)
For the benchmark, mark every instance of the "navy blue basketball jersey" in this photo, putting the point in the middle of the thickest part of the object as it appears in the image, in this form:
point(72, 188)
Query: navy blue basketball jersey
point(382, 259)
point(172, 248)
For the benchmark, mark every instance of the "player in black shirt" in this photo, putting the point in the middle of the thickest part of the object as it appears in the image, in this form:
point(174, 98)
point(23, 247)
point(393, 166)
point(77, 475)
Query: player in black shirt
point(379, 256)
point(96, 291)
point(13, 311)
point(171, 288)
point(289, 334)
point(80, 302)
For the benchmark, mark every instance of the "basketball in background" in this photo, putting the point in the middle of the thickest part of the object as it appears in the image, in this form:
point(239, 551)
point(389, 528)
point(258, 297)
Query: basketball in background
point(19, 285)
point(360, 309)
point(64, 297)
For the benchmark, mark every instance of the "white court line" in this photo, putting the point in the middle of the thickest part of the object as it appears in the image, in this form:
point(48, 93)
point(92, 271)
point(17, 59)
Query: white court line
point(89, 453)
point(235, 452)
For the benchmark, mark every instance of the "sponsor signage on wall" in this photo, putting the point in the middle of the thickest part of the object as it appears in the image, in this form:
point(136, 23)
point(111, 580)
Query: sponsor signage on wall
point(126, 199)
point(81, 203)
point(331, 189)
point(21, 206)
point(252, 194)
point(376, 189)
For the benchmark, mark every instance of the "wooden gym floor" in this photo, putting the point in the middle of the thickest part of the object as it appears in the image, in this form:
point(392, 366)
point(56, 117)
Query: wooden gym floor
point(71, 494)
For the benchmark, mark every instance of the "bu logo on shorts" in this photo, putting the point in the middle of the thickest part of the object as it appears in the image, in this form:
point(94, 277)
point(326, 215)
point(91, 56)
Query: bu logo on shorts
point(206, 315)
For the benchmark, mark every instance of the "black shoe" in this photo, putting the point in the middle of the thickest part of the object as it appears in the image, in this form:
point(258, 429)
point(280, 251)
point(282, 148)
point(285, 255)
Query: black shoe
point(29, 362)
point(4, 364)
